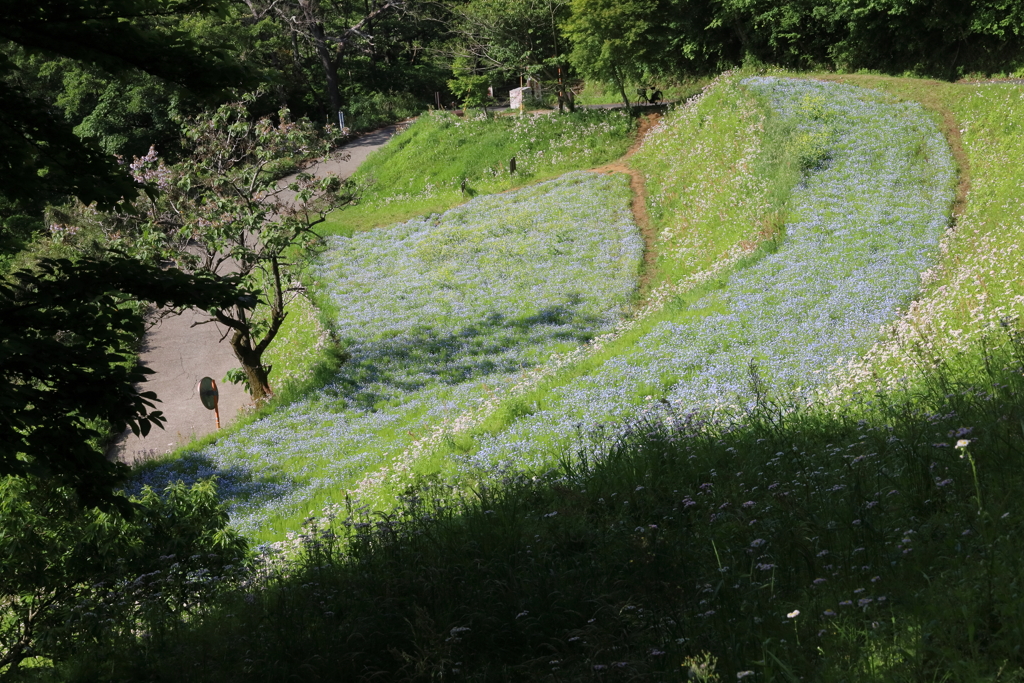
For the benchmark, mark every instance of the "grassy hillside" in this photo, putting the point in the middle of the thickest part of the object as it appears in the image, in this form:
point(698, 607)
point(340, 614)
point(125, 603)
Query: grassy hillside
point(422, 169)
point(849, 258)
point(868, 535)
point(595, 92)
point(437, 317)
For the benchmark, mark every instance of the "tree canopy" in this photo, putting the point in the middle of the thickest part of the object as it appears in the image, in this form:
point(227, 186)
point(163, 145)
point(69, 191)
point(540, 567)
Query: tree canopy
point(615, 41)
point(68, 369)
point(43, 158)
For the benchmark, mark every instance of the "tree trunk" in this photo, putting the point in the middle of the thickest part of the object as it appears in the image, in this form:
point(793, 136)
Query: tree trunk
point(369, 28)
point(330, 67)
point(248, 352)
point(622, 87)
point(252, 366)
point(301, 73)
point(251, 359)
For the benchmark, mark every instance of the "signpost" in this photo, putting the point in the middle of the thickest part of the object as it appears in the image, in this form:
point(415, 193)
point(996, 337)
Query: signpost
point(208, 394)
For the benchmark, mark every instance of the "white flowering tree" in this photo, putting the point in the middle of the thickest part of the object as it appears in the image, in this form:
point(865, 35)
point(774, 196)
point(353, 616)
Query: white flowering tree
point(224, 210)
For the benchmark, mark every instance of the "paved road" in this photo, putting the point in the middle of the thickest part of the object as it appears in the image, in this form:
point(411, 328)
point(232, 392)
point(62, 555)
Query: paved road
point(181, 354)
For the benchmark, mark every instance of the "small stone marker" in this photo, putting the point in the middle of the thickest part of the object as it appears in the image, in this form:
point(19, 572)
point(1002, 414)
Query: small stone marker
point(512, 166)
point(209, 395)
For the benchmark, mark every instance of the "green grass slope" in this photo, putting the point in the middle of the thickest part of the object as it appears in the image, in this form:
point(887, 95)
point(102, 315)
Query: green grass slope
point(739, 170)
point(419, 172)
point(875, 536)
point(422, 169)
point(720, 173)
point(437, 315)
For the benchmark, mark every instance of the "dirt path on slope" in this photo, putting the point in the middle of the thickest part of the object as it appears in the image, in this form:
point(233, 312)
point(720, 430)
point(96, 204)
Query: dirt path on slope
point(639, 205)
point(181, 351)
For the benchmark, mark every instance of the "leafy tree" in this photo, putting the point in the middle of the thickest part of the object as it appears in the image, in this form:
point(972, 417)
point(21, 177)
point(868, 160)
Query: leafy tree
point(68, 369)
point(43, 159)
point(943, 38)
point(122, 114)
point(616, 41)
point(77, 580)
point(325, 27)
point(223, 213)
point(471, 88)
point(506, 38)
point(702, 37)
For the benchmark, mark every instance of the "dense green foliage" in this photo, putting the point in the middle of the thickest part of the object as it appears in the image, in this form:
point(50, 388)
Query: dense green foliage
point(67, 365)
point(82, 83)
point(945, 39)
point(78, 580)
point(44, 160)
point(497, 42)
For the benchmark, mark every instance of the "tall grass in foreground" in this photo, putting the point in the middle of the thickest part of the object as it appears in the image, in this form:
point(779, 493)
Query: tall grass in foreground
point(877, 544)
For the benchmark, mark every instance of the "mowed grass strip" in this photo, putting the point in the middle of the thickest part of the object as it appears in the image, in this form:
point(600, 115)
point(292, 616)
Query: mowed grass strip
point(975, 290)
point(442, 160)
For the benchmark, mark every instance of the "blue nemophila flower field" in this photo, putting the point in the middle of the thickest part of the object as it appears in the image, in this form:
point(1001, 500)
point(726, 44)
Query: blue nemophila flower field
point(867, 221)
point(439, 314)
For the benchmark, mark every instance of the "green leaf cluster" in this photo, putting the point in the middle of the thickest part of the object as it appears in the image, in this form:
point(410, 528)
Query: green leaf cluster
point(80, 580)
point(67, 366)
point(642, 39)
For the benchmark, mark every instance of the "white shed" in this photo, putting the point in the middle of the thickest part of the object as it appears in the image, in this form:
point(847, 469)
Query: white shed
point(517, 97)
